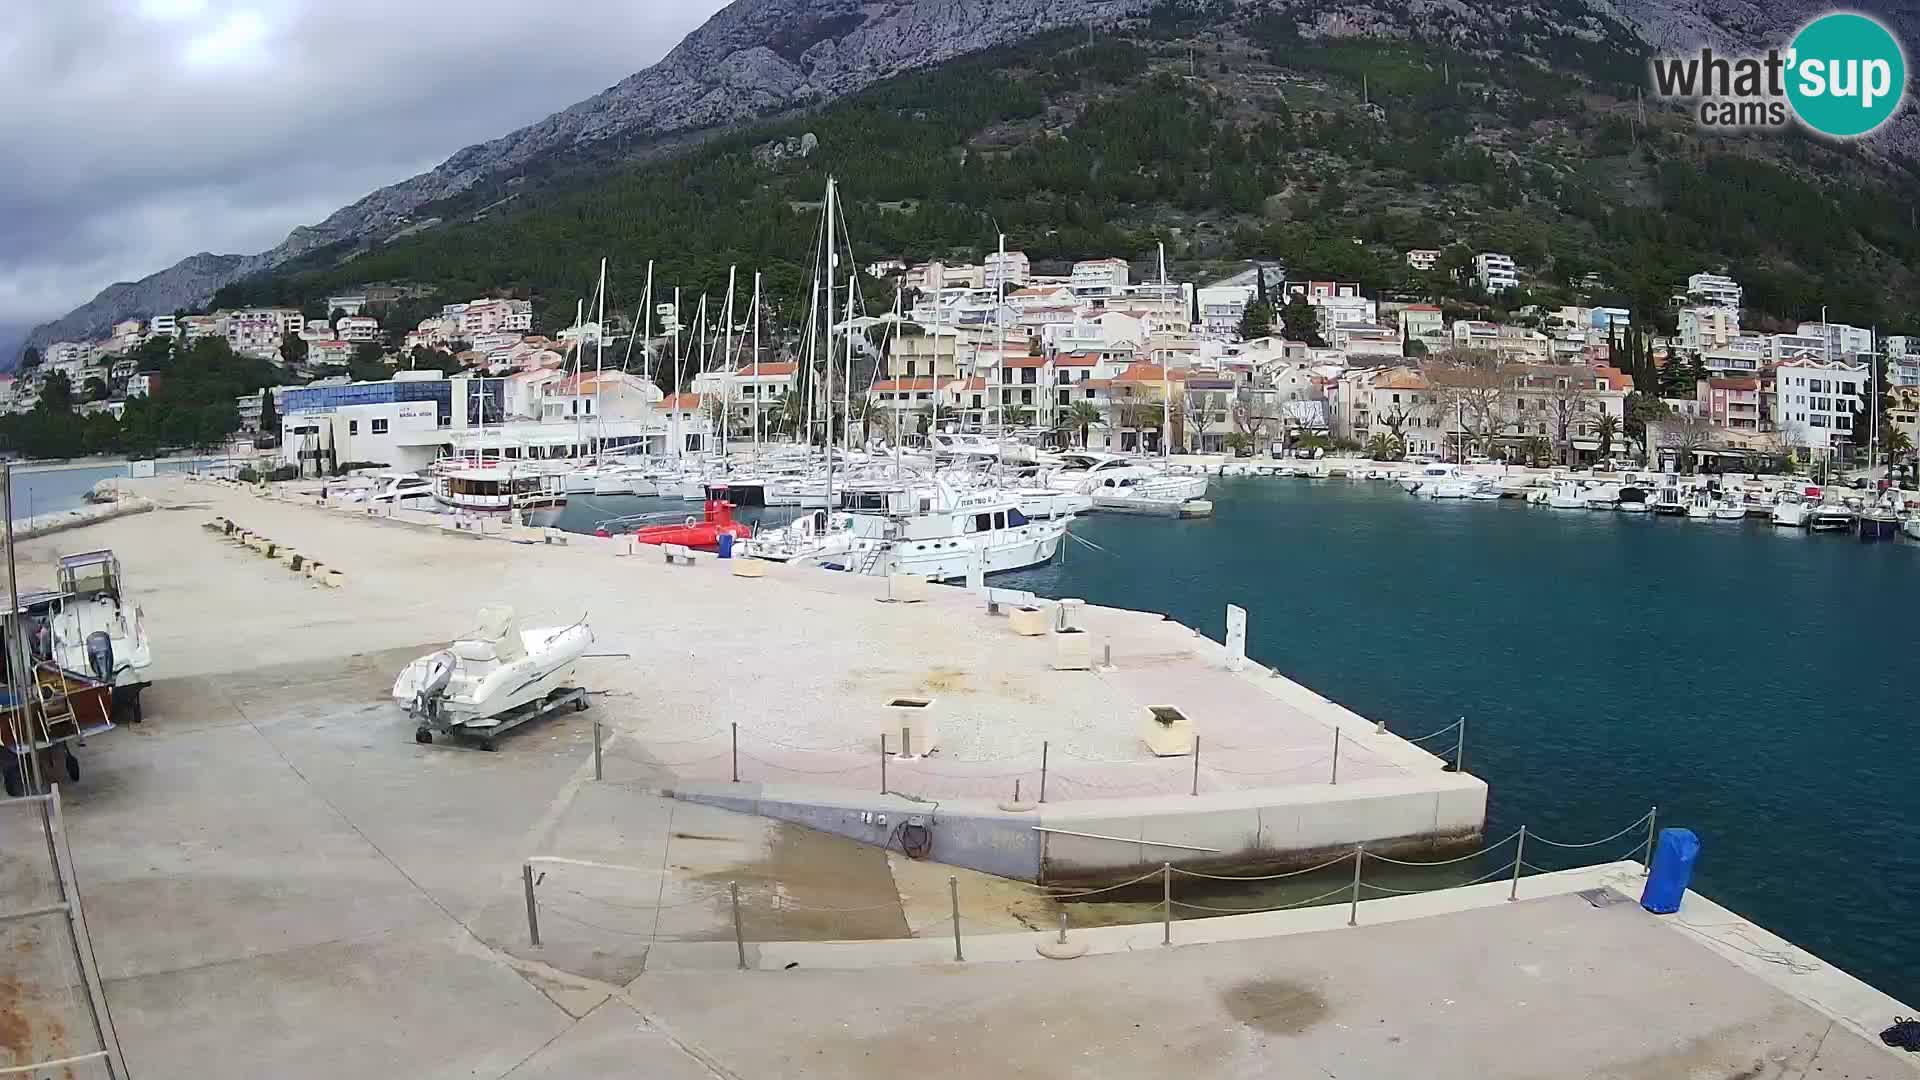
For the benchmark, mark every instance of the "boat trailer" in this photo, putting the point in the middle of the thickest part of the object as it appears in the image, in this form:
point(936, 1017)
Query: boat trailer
point(429, 721)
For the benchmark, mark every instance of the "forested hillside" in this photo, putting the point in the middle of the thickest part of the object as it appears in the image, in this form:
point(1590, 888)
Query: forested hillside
point(1228, 139)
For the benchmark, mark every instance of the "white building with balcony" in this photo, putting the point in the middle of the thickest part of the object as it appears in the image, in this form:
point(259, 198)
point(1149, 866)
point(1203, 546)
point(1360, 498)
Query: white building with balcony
point(358, 328)
point(1715, 289)
point(1708, 326)
point(1814, 402)
point(1099, 279)
point(1495, 272)
point(1423, 259)
point(1843, 342)
point(1222, 307)
point(1011, 269)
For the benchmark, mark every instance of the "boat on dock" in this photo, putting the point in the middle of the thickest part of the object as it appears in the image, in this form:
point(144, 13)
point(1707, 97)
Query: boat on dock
point(1669, 498)
point(1830, 517)
point(491, 489)
point(926, 529)
point(1790, 510)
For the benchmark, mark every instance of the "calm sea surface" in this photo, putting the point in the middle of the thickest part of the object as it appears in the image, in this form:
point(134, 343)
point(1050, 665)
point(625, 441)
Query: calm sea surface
point(1755, 683)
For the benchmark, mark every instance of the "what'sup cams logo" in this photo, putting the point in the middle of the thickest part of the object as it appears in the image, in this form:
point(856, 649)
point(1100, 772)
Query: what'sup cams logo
point(1843, 76)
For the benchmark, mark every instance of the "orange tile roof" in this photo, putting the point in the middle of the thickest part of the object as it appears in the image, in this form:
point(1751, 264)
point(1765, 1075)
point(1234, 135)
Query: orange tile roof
point(1141, 373)
point(680, 402)
point(1401, 379)
point(1026, 361)
point(1076, 359)
point(753, 371)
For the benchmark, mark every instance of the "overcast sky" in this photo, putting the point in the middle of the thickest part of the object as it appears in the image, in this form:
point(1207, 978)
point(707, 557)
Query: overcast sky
point(138, 132)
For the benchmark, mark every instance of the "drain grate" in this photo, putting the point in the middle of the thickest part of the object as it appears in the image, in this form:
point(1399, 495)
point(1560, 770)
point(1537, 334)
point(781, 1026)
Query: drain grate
point(1601, 898)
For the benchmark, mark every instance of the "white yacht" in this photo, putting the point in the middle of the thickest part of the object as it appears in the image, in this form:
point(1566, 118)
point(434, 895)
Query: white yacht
point(930, 530)
point(1567, 495)
point(403, 489)
point(1094, 473)
point(1602, 497)
point(1790, 509)
point(616, 479)
point(1700, 505)
point(1729, 507)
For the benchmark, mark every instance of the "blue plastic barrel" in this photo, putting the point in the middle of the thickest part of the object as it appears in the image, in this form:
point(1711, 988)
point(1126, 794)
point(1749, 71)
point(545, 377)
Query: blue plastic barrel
point(726, 545)
point(1673, 859)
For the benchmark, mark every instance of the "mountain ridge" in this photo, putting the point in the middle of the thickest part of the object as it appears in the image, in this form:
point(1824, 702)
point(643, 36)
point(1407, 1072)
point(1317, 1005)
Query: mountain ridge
point(756, 57)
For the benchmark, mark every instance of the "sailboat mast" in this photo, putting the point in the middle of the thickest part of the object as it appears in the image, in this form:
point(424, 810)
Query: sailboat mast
point(727, 357)
point(1166, 377)
point(759, 397)
point(826, 401)
point(1000, 324)
point(579, 365)
point(846, 388)
point(898, 295)
point(600, 353)
point(674, 412)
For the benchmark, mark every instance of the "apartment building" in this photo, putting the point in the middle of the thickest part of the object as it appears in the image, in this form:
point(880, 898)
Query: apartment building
point(1815, 400)
point(1011, 269)
point(1715, 289)
point(1495, 272)
point(1423, 259)
point(1707, 326)
point(1099, 279)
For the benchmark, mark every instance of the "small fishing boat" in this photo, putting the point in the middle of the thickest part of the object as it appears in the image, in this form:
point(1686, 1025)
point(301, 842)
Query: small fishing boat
point(1790, 510)
point(1566, 495)
point(1633, 500)
point(1878, 522)
point(1729, 507)
point(1830, 517)
point(1700, 505)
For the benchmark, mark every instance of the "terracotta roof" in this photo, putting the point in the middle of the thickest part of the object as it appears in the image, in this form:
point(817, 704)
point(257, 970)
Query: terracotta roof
point(1026, 361)
point(1734, 384)
point(755, 371)
point(681, 402)
point(1401, 379)
point(1140, 373)
point(1076, 359)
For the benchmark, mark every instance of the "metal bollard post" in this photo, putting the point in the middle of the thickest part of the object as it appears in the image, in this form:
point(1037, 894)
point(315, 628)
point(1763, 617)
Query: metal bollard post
point(1196, 766)
point(883, 763)
point(1107, 659)
point(736, 753)
point(1166, 903)
point(1646, 865)
point(1519, 859)
point(1336, 757)
point(1063, 928)
point(739, 938)
point(598, 772)
point(953, 894)
point(533, 913)
point(1043, 770)
point(1353, 908)
point(1460, 747)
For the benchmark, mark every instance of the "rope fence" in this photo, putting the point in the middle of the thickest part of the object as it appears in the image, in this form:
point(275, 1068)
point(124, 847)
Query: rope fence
point(888, 765)
point(1512, 868)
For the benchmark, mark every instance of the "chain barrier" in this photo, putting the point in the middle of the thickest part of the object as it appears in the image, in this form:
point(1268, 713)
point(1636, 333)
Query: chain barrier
point(1308, 902)
point(1265, 877)
point(1449, 862)
point(1593, 843)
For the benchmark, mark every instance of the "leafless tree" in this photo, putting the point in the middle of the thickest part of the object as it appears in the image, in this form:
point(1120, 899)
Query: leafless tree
point(1475, 388)
point(1685, 434)
point(1568, 395)
point(1252, 415)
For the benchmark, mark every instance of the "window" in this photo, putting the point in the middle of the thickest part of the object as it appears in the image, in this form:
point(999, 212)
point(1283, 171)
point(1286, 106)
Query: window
point(1026, 397)
point(982, 522)
point(353, 427)
point(909, 369)
point(380, 426)
point(1000, 519)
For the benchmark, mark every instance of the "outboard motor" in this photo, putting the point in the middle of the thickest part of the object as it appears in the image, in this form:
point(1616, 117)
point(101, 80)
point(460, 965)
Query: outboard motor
point(433, 686)
point(100, 655)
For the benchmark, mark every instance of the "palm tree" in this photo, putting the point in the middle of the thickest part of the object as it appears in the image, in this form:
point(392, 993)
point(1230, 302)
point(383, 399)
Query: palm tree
point(1081, 416)
point(1608, 427)
point(1384, 446)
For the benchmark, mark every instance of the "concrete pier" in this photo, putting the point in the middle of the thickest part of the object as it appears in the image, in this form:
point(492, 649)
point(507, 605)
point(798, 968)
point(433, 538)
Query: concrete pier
point(281, 883)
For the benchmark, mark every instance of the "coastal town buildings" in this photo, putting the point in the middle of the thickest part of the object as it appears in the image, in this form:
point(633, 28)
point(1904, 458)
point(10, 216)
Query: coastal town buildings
point(1495, 272)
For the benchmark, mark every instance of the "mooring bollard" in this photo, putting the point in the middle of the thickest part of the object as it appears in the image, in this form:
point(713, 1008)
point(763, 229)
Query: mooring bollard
point(1646, 864)
point(1519, 860)
point(739, 937)
point(1353, 907)
point(1043, 770)
point(533, 913)
point(1460, 747)
point(1063, 928)
point(1107, 657)
point(598, 773)
point(953, 894)
point(1166, 903)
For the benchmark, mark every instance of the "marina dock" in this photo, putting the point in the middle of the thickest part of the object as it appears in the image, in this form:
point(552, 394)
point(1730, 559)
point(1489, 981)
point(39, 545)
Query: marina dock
point(280, 882)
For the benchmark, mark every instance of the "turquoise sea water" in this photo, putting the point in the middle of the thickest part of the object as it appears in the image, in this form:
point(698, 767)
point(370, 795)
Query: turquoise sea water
point(1756, 683)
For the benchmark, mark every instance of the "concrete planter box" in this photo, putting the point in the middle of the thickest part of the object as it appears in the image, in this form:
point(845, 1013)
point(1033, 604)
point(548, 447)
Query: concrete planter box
point(1073, 651)
point(906, 588)
point(1167, 732)
point(911, 726)
point(1030, 621)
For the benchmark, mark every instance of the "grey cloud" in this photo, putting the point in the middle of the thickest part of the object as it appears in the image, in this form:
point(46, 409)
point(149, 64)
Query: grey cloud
point(154, 129)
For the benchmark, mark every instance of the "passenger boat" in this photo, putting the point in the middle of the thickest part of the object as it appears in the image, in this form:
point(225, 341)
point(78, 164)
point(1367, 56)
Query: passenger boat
point(491, 489)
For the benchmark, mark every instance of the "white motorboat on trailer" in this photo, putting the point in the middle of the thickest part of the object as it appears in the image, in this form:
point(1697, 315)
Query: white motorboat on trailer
point(96, 631)
point(498, 678)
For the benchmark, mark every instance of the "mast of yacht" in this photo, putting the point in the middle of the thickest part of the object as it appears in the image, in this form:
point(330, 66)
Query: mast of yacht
point(700, 362)
point(846, 387)
point(1166, 377)
point(898, 296)
point(731, 361)
point(759, 398)
point(600, 362)
point(826, 403)
point(1000, 324)
point(579, 370)
point(934, 424)
point(674, 411)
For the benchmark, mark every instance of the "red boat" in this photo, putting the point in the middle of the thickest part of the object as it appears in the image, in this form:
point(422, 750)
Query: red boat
point(703, 535)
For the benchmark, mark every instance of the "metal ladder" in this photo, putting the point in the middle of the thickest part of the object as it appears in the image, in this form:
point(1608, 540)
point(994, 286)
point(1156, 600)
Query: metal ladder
point(871, 559)
point(57, 717)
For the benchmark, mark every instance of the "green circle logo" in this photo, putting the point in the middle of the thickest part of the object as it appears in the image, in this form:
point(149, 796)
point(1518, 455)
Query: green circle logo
point(1846, 76)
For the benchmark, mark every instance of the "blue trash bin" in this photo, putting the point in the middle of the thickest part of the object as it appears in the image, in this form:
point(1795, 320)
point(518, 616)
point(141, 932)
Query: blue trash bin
point(726, 545)
point(1673, 859)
